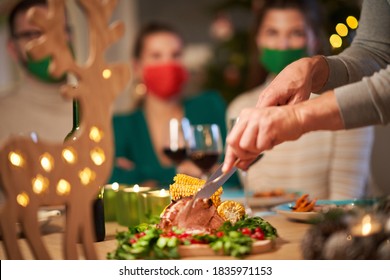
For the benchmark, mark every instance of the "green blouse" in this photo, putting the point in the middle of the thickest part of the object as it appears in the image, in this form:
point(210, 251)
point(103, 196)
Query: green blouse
point(132, 140)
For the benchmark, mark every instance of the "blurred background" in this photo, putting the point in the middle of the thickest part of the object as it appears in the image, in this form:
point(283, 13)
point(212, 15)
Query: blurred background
point(219, 51)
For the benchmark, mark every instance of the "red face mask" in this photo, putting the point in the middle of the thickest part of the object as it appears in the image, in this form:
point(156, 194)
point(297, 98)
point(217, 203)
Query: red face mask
point(166, 80)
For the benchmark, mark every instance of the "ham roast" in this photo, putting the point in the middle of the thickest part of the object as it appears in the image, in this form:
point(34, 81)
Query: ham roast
point(203, 218)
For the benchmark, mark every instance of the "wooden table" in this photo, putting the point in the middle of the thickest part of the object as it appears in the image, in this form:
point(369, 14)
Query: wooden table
point(287, 246)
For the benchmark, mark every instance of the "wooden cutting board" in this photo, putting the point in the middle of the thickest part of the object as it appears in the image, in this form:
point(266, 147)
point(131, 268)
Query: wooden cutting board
point(204, 250)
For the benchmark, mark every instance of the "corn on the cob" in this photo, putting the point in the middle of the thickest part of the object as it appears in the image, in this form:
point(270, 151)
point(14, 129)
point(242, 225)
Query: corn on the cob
point(185, 186)
point(231, 211)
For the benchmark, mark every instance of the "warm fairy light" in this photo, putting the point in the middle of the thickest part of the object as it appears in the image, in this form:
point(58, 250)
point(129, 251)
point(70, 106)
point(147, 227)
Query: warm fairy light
point(115, 186)
point(86, 176)
point(106, 73)
point(335, 40)
point(63, 187)
point(352, 22)
point(40, 184)
point(95, 134)
point(69, 155)
point(47, 162)
point(23, 199)
point(136, 188)
point(16, 159)
point(342, 29)
point(97, 156)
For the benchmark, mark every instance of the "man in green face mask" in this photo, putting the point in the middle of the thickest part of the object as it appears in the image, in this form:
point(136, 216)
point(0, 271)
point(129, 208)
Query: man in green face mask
point(287, 31)
point(35, 103)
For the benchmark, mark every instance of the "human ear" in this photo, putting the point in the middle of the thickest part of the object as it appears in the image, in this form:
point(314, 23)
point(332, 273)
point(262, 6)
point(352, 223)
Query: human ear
point(12, 50)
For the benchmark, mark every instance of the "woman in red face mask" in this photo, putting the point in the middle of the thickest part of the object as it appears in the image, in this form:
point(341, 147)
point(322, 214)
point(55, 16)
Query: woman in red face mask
point(141, 136)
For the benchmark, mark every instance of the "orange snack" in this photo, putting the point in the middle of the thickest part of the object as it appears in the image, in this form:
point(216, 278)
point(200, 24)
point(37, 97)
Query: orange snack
point(303, 204)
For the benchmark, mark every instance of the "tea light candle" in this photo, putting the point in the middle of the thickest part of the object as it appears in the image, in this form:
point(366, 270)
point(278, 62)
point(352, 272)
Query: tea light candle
point(155, 202)
point(109, 201)
point(127, 205)
point(366, 227)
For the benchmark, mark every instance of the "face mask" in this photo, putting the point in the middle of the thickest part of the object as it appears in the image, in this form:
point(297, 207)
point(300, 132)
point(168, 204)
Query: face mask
point(275, 60)
point(40, 69)
point(165, 81)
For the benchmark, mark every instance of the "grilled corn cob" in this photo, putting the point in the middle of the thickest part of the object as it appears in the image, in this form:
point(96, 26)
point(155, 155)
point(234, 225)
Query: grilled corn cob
point(185, 186)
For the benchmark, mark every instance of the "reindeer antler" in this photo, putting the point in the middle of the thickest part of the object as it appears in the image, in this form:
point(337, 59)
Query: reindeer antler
point(53, 26)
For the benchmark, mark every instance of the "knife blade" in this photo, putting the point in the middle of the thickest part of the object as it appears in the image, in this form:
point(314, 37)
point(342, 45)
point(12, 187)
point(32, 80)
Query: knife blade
point(216, 180)
point(218, 171)
point(213, 183)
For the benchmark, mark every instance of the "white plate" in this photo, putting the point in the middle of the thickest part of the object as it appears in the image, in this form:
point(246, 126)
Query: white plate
point(285, 209)
point(271, 200)
point(259, 202)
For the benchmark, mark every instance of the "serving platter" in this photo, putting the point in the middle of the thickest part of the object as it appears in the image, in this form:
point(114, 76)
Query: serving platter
point(204, 250)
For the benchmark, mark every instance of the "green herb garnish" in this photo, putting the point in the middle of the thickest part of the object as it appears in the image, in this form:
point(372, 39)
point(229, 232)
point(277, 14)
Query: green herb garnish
point(146, 241)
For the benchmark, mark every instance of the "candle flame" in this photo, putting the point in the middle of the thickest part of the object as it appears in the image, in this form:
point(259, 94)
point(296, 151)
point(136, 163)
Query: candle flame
point(162, 192)
point(136, 188)
point(115, 186)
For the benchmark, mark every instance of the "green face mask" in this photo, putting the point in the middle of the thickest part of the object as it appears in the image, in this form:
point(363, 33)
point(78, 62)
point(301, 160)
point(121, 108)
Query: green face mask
point(40, 69)
point(275, 60)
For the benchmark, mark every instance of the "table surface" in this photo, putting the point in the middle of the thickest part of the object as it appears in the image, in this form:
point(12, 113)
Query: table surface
point(287, 246)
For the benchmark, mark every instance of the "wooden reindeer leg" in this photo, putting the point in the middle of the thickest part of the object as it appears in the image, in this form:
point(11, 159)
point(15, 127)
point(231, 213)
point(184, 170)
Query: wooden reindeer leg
point(8, 230)
point(71, 235)
point(31, 230)
point(88, 234)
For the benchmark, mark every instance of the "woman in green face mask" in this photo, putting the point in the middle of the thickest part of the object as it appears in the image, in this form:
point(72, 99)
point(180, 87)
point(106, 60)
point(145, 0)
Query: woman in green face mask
point(326, 165)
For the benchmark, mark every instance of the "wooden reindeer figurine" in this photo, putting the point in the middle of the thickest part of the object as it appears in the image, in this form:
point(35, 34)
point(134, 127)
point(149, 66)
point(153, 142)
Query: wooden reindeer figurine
point(36, 173)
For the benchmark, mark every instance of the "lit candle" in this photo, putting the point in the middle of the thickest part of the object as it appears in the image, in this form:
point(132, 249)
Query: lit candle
point(127, 205)
point(366, 227)
point(109, 201)
point(155, 202)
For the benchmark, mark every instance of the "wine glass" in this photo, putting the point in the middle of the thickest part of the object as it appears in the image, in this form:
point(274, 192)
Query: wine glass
point(175, 144)
point(204, 146)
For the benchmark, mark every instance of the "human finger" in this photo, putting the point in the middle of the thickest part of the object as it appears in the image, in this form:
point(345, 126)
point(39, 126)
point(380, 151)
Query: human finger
point(230, 159)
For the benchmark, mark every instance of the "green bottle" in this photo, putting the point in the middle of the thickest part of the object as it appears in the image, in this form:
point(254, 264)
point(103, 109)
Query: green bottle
point(76, 120)
point(98, 207)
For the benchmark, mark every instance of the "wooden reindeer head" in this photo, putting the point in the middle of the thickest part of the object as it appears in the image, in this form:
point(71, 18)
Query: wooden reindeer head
point(37, 173)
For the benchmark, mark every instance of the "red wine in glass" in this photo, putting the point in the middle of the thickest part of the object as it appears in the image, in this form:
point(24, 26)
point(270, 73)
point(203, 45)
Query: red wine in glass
point(204, 160)
point(177, 155)
point(175, 144)
point(205, 146)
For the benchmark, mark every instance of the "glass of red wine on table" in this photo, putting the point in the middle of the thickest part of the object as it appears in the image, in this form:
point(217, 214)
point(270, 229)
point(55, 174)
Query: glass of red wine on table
point(175, 146)
point(204, 146)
